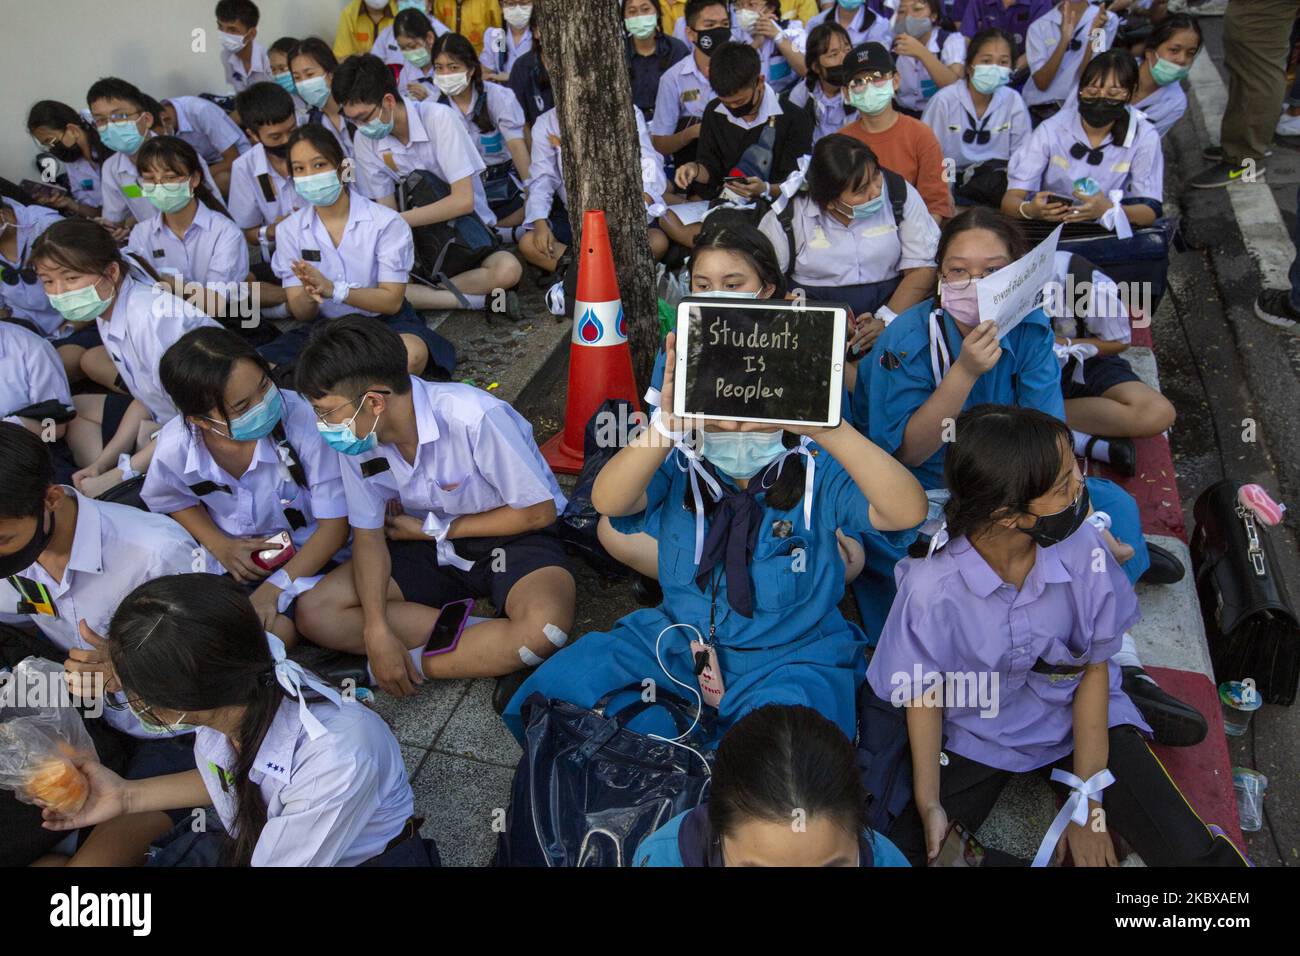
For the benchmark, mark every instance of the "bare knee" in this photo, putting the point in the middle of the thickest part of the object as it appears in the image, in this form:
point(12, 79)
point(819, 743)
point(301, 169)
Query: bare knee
point(417, 354)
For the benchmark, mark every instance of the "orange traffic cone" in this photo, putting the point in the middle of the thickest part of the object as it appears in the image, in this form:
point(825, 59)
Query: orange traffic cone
point(600, 364)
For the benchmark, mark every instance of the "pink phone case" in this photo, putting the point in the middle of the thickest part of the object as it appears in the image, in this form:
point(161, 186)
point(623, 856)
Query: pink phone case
point(1261, 503)
point(464, 622)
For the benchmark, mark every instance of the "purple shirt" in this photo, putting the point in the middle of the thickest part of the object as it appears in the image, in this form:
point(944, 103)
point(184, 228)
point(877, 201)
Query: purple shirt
point(954, 616)
point(1015, 19)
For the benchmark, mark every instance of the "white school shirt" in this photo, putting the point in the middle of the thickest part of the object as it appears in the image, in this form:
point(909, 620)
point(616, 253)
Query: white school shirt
point(255, 502)
point(831, 113)
point(546, 168)
point(829, 253)
point(1105, 315)
point(1136, 166)
point(346, 137)
point(120, 175)
point(213, 250)
point(1040, 42)
point(683, 92)
point(143, 323)
point(1164, 107)
point(207, 127)
point(377, 247)
point(30, 372)
point(951, 112)
point(338, 800)
point(780, 74)
point(476, 453)
point(84, 177)
point(879, 30)
point(500, 47)
point(27, 300)
point(259, 68)
point(438, 143)
point(507, 118)
point(249, 205)
point(115, 549)
point(915, 85)
point(385, 46)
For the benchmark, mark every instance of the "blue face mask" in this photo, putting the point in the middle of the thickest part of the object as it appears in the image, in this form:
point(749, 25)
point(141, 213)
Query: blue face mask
point(376, 128)
point(851, 4)
point(724, 294)
point(344, 440)
point(867, 209)
point(742, 454)
point(1164, 72)
point(314, 91)
point(122, 137)
point(987, 77)
point(284, 81)
point(323, 189)
point(260, 420)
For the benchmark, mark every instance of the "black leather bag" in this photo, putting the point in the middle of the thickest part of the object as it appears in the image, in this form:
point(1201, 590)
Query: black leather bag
point(126, 493)
point(444, 249)
point(1252, 626)
point(577, 525)
point(588, 790)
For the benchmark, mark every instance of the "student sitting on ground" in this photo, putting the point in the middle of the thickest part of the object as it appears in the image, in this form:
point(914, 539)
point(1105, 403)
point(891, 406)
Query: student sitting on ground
point(503, 46)
point(70, 138)
point(448, 498)
point(774, 621)
point(207, 128)
point(1014, 594)
point(749, 144)
point(386, 46)
point(816, 93)
point(345, 255)
point(312, 63)
point(90, 283)
point(190, 241)
point(243, 56)
point(777, 765)
point(242, 463)
point(398, 136)
point(649, 52)
point(929, 57)
point(1167, 61)
point(684, 89)
point(779, 42)
point(981, 122)
point(1058, 46)
point(294, 781)
point(66, 564)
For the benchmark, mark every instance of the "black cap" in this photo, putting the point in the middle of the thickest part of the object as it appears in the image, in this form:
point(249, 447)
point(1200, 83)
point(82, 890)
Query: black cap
point(864, 58)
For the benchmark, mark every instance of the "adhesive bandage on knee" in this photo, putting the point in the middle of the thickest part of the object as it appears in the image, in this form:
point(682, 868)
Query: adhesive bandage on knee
point(555, 635)
point(528, 657)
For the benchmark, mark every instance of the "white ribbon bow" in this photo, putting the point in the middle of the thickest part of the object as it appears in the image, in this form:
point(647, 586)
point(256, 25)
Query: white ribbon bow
point(1075, 809)
point(1114, 218)
point(938, 540)
point(1077, 350)
point(291, 676)
point(793, 183)
point(696, 471)
point(286, 459)
point(809, 471)
point(437, 528)
point(124, 466)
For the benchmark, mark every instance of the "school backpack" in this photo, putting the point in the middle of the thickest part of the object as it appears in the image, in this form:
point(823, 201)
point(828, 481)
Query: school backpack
point(443, 249)
point(884, 759)
point(895, 186)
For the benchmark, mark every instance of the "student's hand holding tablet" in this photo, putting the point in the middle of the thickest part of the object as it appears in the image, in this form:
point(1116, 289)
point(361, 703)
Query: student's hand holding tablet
point(666, 417)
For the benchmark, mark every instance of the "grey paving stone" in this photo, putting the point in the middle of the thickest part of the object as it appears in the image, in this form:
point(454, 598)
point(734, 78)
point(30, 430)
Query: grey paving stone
point(1020, 817)
point(459, 800)
point(475, 730)
point(413, 757)
point(418, 720)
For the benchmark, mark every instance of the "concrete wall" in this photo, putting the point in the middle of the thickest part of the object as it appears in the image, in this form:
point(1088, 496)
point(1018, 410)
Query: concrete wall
point(56, 49)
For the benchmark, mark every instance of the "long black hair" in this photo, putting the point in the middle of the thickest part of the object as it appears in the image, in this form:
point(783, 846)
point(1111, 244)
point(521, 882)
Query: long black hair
point(1002, 459)
point(982, 217)
point(190, 643)
point(318, 136)
point(781, 758)
point(1174, 23)
point(460, 49)
point(86, 247)
point(1120, 63)
point(172, 154)
point(839, 163)
point(819, 41)
point(51, 114)
point(982, 39)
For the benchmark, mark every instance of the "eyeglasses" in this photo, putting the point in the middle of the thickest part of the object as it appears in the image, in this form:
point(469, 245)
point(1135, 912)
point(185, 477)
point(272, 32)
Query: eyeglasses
point(324, 416)
point(116, 118)
point(862, 81)
point(958, 278)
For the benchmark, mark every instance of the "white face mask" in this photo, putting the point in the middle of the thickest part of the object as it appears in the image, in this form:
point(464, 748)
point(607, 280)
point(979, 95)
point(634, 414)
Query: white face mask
point(452, 84)
point(745, 19)
point(377, 4)
point(518, 17)
point(233, 42)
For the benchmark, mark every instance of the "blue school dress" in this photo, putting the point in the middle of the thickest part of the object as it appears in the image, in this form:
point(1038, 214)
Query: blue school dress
point(796, 648)
point(908, 365)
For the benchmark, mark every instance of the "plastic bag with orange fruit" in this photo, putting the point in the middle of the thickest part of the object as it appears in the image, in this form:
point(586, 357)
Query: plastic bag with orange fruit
point(41, 734)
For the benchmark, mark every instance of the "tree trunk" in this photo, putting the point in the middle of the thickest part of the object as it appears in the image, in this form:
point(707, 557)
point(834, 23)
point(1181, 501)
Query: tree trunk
point(583, 45)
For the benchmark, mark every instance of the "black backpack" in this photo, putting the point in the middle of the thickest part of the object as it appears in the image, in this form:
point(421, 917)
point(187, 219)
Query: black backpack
point(443, 249)
point(895, 186)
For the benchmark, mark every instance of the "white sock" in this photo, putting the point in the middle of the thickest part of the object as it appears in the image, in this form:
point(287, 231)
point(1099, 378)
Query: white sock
point(1127, 655)
point(507, 233)
point(476, 301)
point(1100, 450)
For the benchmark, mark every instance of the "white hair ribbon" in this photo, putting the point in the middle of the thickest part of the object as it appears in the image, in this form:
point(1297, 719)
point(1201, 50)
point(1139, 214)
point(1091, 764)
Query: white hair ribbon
point(1075, 809)
point(696, 471)
point(291, 676)
point(1114, 218)
point(1077, 350)
point(938, 540)
point(793, 183)
point(809, 471)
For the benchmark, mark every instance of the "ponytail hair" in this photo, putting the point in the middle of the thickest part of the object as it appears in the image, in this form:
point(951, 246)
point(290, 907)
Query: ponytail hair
point(172, 154)
point(460, 49)
point(82, 246)
point(51, 114)
point(192, 643)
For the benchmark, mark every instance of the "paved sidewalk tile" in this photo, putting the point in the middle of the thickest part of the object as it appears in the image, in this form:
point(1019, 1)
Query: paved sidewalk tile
point(460, 800)
point(475, 730)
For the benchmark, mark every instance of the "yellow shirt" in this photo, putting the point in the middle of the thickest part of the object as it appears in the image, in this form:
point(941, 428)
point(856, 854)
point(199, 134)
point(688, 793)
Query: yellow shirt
point(356, 33)
point(469, 17)
point(792, 10)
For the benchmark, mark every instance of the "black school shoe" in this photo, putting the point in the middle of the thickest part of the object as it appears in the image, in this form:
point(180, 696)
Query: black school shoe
point(1174, 723)
point(1215, 153)
point(1274, 307)
point(1165, 567)
point(647, 591)
point(1121, 454)
point(508, 685)
point(1222, 174)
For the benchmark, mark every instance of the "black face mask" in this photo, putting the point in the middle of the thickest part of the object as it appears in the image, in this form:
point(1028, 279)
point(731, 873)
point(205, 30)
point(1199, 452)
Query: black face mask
point(1053, 529)
point(65, 154)
point(710, 40)
point(1097, 111)
point(25, 557)
point(279, 152)
point(740, 112)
